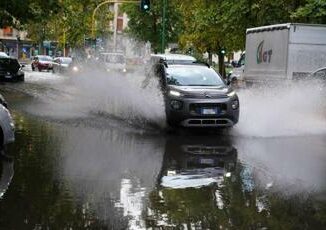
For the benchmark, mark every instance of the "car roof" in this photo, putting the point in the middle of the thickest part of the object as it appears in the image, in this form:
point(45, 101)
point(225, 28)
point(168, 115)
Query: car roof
point(3, 54)
point(63, 57)
point(8, 57)
point(190, 65)
point(174, 57)
point(112, 54)
point(43, 56)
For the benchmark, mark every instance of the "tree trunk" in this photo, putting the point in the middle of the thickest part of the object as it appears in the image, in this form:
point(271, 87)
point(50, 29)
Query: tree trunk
point(210, 58)
point(221, 66)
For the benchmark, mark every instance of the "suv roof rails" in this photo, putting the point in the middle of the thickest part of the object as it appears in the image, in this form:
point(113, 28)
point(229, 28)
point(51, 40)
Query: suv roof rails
point(167, 63)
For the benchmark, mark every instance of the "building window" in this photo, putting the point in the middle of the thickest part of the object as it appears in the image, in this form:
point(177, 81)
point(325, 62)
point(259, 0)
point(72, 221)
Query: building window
point(7, 31)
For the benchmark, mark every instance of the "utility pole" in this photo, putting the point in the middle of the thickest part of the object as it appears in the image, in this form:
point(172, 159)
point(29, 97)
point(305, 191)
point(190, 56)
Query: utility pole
point(115, 22)
point(163, 26)
point(64, 42)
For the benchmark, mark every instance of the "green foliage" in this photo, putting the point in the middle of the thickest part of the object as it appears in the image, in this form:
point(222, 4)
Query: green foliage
point(72, 23)
point(147, 26)
point(17, 12)
point(312, 12)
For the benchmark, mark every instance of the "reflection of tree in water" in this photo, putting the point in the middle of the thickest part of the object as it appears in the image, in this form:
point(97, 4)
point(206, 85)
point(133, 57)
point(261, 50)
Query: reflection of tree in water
point(234, 203)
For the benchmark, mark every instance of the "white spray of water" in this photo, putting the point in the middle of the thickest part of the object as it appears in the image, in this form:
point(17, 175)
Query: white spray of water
point(294, 109)
point(120, 96)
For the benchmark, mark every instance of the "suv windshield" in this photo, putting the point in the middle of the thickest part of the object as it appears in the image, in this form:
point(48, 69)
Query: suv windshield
point(192, 75)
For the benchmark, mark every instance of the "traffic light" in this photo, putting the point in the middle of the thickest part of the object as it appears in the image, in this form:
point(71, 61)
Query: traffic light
point(145, 5)
point(223, 51)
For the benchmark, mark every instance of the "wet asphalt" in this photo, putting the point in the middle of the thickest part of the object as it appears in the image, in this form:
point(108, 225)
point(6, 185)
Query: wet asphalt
point(83, 159)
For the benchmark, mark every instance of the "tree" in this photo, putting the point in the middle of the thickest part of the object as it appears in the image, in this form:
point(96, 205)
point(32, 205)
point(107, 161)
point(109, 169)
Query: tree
point(312, 12)
point(72, 23)
point(147, 26)
point(17, 13)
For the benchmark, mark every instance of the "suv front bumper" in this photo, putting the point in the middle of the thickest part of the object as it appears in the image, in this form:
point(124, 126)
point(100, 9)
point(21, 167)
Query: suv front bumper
point(202, 112)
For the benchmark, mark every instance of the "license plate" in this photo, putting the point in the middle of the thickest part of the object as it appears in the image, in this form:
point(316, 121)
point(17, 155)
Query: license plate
point(207, 161)
point(209, 111)
point(8, 76)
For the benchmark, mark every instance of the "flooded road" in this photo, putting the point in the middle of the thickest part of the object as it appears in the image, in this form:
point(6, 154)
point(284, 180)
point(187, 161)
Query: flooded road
point(98, 159)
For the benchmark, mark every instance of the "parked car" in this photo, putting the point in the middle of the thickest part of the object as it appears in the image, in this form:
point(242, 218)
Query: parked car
point(6, 173)
point(195, 95)
point(42, 62)
point(3, 54)
point(114, 62)
point(61, 64)
point(6, 124)
point(10, 69)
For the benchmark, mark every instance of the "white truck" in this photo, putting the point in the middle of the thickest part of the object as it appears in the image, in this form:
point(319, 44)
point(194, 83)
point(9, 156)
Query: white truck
point(282, 52)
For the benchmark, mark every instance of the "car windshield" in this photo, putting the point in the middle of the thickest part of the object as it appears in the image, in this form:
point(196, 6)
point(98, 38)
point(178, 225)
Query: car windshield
point(9, 64)
point(66, 60)
point(115, 58)
point(192, 75)
point(44, 58)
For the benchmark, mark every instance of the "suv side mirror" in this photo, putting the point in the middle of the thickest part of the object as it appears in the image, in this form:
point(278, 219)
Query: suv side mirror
point(234, 63)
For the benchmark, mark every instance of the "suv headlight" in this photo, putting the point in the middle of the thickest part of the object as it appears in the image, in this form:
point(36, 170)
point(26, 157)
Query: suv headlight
point(231, 94)
point(175, 93)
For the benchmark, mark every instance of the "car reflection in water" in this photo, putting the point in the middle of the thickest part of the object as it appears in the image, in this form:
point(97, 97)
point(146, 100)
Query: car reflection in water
point(193, 162)
point(189, 193)
point(6, 173)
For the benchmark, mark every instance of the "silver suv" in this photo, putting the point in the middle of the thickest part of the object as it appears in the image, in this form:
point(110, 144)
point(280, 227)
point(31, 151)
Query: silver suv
point(6, 124)
point(195, 95)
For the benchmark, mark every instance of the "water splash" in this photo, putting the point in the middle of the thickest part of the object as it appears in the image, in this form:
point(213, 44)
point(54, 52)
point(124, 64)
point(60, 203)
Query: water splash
point(293, 109)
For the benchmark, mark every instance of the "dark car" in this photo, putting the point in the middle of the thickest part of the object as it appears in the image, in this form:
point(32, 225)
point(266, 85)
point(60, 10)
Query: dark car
point(195, 95)
point(10, 69)
point(42, 62)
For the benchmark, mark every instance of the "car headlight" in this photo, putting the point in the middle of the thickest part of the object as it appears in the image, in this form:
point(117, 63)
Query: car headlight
point(175, 93)
point(124, 70)
point(231, 94)
point(235, 104)
point(75, 68)
point(176, 105)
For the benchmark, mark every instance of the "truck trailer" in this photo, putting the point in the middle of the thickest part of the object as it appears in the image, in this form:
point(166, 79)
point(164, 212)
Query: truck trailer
point(283, 52)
